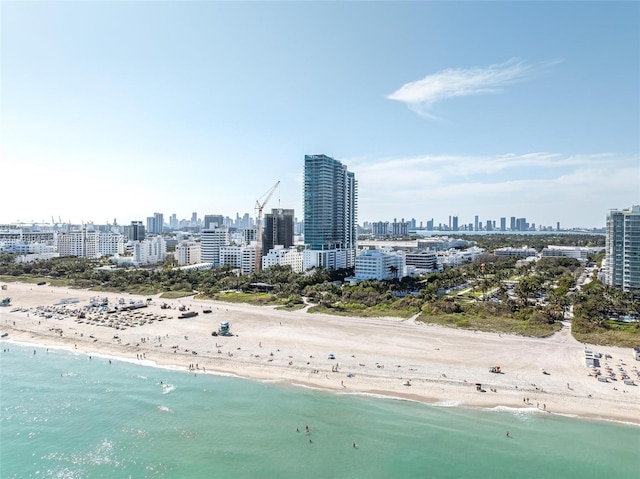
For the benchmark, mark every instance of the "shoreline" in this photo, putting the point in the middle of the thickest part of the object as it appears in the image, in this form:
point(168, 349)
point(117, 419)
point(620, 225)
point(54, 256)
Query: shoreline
point(386, 357)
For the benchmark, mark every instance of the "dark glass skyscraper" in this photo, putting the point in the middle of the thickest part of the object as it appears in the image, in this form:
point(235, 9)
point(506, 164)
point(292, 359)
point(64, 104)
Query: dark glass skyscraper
point(330, 213)
point(278, 229)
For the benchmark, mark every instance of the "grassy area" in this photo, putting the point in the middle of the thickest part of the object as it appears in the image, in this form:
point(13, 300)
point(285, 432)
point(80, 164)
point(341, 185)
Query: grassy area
point(362, 311)
point(492, 324)
point(176, 294)
point(291, 307)
point(623, 335)
point(257, 299)
point(36, 280)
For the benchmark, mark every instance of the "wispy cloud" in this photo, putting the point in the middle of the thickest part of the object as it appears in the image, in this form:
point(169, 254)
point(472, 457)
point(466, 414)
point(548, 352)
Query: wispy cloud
point(421, 95)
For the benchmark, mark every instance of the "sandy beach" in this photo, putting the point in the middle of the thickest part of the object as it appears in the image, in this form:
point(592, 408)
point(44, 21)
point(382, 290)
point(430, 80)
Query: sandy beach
point(380, 356)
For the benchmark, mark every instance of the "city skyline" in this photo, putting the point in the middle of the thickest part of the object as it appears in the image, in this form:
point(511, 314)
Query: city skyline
point(525, 109)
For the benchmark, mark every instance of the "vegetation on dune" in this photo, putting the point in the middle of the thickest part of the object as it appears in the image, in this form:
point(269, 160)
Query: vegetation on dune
point(599, 316)
point(489, 317)
point(491, 294)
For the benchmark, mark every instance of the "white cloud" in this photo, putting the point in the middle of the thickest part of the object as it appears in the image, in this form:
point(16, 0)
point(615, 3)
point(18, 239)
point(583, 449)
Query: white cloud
point(576, 190)
point(421, 95)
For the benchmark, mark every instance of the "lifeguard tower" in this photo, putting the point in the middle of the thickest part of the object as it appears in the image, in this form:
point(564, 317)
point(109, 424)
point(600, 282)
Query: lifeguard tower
point(224, 329)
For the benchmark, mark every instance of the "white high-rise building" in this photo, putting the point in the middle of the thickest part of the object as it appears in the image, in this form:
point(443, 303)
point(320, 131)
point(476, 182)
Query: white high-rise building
point(283, 256)
point(110, 244)
point(211, 241)
point(240, 257)
point(380, 264)
point(622, 247)
point(151, 250)
point(80, 243)
point(188, 252)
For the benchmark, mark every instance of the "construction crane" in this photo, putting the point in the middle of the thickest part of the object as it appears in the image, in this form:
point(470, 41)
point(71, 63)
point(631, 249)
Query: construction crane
point(260, 206)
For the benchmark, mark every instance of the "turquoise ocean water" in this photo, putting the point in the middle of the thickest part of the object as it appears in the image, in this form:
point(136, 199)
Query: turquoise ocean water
point(63, 415)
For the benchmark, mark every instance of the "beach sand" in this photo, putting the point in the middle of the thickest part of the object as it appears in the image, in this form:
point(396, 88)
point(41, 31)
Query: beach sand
point(379, 356)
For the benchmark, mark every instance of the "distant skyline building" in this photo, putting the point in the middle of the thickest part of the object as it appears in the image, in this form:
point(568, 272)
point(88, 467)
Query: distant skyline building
point(213, 221)
point(155, 223)
point(489, 226)
point(622, 249)
point(330, 213)
point(135, 231)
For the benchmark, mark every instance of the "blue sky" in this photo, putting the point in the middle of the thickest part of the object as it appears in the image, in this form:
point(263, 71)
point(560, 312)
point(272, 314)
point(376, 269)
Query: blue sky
point(121, 109)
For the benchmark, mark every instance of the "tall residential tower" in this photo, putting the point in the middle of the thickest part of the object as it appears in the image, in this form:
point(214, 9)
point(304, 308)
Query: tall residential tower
point(330, 213)
point(622, 246)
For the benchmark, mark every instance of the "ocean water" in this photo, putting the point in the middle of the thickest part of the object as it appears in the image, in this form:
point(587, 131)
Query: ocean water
point(64, 415)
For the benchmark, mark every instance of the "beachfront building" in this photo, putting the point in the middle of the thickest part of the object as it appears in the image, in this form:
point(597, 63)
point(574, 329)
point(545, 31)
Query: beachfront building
point(87, 243)
point(330, 213)
point(443, 243)
point(151, 250)
point(242, 258)
point(422, 261)
point(80, 243)
point(512, 252)
point(188, 252)
point(21, 236)
point(110, 244)
point(454, 258)
point(622, 248)
point(211, 241)
point(24, 247)
point(380, 264)
point(581, 253)
point(279, 255)
point(31, 257)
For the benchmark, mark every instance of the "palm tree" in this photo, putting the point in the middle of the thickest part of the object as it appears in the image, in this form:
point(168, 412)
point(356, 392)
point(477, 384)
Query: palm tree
point(394, 271)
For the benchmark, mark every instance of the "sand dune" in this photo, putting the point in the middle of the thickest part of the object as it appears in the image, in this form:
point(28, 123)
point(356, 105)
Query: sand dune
point(383, 356)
